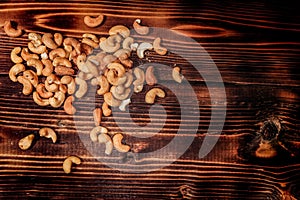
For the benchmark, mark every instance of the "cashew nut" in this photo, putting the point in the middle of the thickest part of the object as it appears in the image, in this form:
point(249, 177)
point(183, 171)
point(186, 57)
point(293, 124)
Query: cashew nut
point(26, 142)
point(14, 55)
point(82, 87)
point(90, 42)
point(110, 100)
point(118, 96)
point(129, 79)
point(26, 55)
point(70, 82)
point(15, 70)
point(10, 31)
point(105, 138)
point(112, 77)
point(140, 79)
point(142, 30)
point(142, 48)
point(119, 68)
point(32, 77)
point(122, 54)
point(97, 114)
point(74, 43)
point(59, 52)
point(151, 94)
point(150, 77)
point(67, 164)
point(37, 64)
point(127, 42)
point(117, 142)
point(38, 100)
point(103, 83)
point(63, 88)
point(81, 63)
point(93, 21)
point(106, 110)
point(96, 131)
point(48, 40)
point(38, 50)
point(48, 133)
point(41, 90)
point(68, 105)
point(84, 48)
point(106, 60)
point(27, 86)
point(91, 36)
point(124, 103)
point(52, 83)
point(61, 61)
point(119, 29)
point(35, 38)
point(57, 100)
point(176, 74)
point(58, 38)
point(85, 76)
point(159, 49)
point(48, 69)
point(111, 44)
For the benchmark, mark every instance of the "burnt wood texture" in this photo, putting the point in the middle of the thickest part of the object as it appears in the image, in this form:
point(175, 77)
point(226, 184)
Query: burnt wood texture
point(254, 44)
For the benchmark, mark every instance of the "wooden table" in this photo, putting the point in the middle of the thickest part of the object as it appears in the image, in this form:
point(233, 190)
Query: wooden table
point(255, 46)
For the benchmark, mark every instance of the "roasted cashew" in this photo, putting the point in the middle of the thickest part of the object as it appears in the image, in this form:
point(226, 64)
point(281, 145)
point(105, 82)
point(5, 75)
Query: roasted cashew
point(150, 77)
point(90, 42)
point(35, 38)
point(159, 49)
point(70, 82)
point(142, 48)
point(38, 50)
point(81, 63)
point(57, 100)
point(68, 105)
point(119, 68)
point(105, 138)
point(63, 88)
point(26, 142)
point(82, 87)
point(52, 83)
point(32, 77)
point(119, 89)
point(27, 86)
point(26, 55)
point(91, 36)
point(140, 79)
point(93, 21)
point(59, 52)
point(15, 70)
point(41, 90)
point(61, 61)
point(74, 43)
point(97, 114)
point(110, 100)
point(48, 133)
point(129, 79)
point(36, 64)
point(123, 104)
point(96, 131)
point(106, 110)
point(62, 70)
point(14, 55)
point(127, 42)
point(119, 29)
point(142, 30)
point(176, 74)
point(118, 96)
point(151, 94)
point(48, 69)
point(38, 100)
point(117, 142)
point(48, 40)
point(10, 31)
point(67, 164)
point(84, 48)
point(111, 44)
point(112, 77)
point(85, 76)
point(103, 83)
point(106, 60)
point(122, 54)
point(58, 38)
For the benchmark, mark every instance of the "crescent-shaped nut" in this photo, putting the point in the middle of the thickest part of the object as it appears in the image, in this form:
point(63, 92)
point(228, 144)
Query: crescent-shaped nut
point(14, 55)
point(59, 52)
point(83, 87)
point(38, 100)
point(74, 43)
point(70, 82)
point(67, 164)
point(32, 77)
point(142, 30)
point(38, 50)
point(106, 110)
point(35, 38)
point(61, 61)
point(176, 75)
point(68, 105)
point(26, 142)
point(150, 77)
point(103, 83)
point(41, 90)
point(119, 29)
point(140, 79)
point(97, 114)
point(117, 142)
point(142, 48)
point(110, 100)
point(57, 100)
point(27, 86)
point(105, 138)
point(151, 95)
point(119, 68)
point(10, 31)
point(15, 70)
point(158, 48)
point(48, 133)
point(26, 55)
point(118, 96)
point(36, 63)
point(96, 131)
point(127, 42)
point(48, 40)
point(48, 69)
point(93, 21)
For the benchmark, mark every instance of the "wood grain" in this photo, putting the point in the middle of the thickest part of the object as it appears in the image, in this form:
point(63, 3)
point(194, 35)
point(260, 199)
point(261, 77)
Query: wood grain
point(255, 46)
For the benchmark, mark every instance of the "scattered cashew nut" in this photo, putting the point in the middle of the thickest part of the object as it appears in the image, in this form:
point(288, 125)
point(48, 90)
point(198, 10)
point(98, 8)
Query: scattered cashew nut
point(96, 131)
point(158, 48)
point(48, 133)
point(32, 77)
point(106, 110)
point(150, 77)
point(10, 31)
point(119, 29)
point(26, 142)
point(41, 90)
point(14, 55)
point(111, 100)
point(142, 48)
point(142, 30)
point(48, 40)
point(70, 82)
point(15, 70)
point(117, 142)
point(83, 87)
point(67, 164)
point(151, 94)
point(140, 79)
point(68, 105)
point(97, 114)
point(38, 50)
point(27, 86)
point(93, 21)
point(105, 138)
point(176, 74)
point(37, 64)
point(38, 100)
point(57, 100)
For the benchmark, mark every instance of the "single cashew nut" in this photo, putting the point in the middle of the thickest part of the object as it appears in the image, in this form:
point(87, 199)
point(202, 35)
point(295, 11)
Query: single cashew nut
point(32, 77)
point(91, 36)
point(26, 142)
point(140, 79)
point(82, 87)
point(129, 79)
point(106, 110)
point(48, 133)
point(142, 48)
point(111, 44)
point(58, 38)
point(52, 83)
point(48, 40)
point(87, 49)
point(97, 114)
point(151, 94)
point(70, 82)
point(59, 52)
point(119, 68)
point(112, 77)
point(142, 30)
point(176, 74)
point(150, 77)
point(74, 43)
point(127, 42)
point(93, 21)
point(105, 138)
point(119, 29)
point(90, 42)
point(68, 105)
point(85, 76)
point(96, 131)
point(38, 100)
point(122, 54)
point(10, 31)
point(37, 64)
point(159, 49)
point(14, 55)
point(81, 63)
point(27, 86)
point(15, 70)
point(41, 90)
point(118, 96)
point(38, 50)
point(61, 61)
point(57, 100)
point(67, 164)
point(35, 38)
point(48, 69)
point(26, 55)
point(124, 103)
point(63, 88)
point(117, 142)
point(110, 100)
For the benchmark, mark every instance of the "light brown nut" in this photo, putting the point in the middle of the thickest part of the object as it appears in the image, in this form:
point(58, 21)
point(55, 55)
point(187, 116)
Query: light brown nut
point(48, 133)
point(107, 60)
point(117, 142)
point(105, 138)
point(67, 164)
point(106, 110)
point(59, 52)
point(81, 63)
point(123, 104)
point(142, 30)
point(119, 68)
point(127, 42)
point(63, 88)
point(48, 69)
point(27, 86)
point(119, 29)
point(15, 70)
point(38, 50)
point(118, 96)
point(61, 61)
point(110, 100)
point(96, 131)
point(158, 48)
point(176, 75)
point(26, 55)
point(103, 83)
point(83, 87)
point(58, 38)
point(112, 77)
point(41, 90)
point(129, 79)
point(97, 114)
point(70, 82)
point(74, 43)
point(93, 21)
point(26, 142)
point(62, 71)
point(152, 94)
point(150, 77)
point(93, 69)
point(142, 48)
point(48, 40)
point(91, 36)
point(122, 54)
point(14, 55)
point(127, 63)
point(111, 44)
point(86, 49)
point(10, 31)
point(38, 100)
point(57, 100)
point(68, 105)
point(90, 42)
point(37, 64)
point(35, 38)
point(140, 79)
point(32, 77)
point(85, 76)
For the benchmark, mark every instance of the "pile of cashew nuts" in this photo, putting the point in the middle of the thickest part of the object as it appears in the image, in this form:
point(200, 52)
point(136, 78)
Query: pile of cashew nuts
point(58, 70)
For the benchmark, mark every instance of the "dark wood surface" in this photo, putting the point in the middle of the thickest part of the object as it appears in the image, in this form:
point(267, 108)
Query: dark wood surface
point(256, 47)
